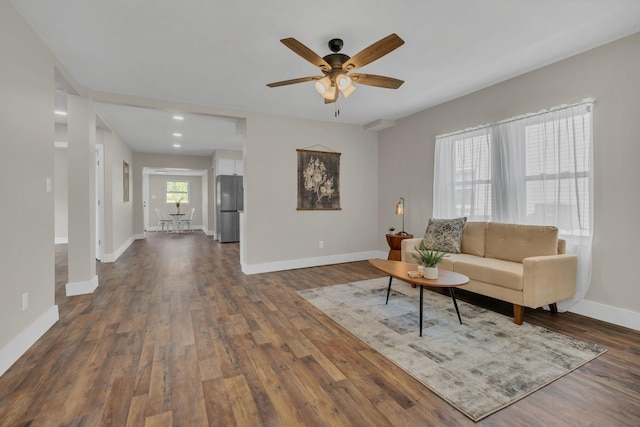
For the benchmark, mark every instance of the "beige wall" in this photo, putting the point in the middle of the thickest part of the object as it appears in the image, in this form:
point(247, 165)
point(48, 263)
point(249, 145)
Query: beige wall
point(157, 197)
point(611, 74)
point(275, 230)
point(26, 144)
point(118, 221)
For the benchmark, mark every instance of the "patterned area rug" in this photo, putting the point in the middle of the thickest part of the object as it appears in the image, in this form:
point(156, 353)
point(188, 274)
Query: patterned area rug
point(479, 367)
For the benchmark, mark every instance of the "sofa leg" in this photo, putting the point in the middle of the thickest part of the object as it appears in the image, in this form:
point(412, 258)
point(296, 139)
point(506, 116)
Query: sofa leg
point(518, 314)
point(553, 308)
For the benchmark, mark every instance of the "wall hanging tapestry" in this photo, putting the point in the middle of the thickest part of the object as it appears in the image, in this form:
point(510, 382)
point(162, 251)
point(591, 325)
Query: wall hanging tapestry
point(318, 180)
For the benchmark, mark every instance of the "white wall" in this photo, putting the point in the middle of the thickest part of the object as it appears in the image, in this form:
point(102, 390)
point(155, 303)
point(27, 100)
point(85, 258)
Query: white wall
point(26, 144)
point(278, 235)
point(157, 197)
point(611, 75)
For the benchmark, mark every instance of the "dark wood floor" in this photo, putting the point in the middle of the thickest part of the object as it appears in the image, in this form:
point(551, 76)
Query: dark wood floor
point(177, 335)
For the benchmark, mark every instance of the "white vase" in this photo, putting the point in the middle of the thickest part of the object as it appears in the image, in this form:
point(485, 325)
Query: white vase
point(430, 273)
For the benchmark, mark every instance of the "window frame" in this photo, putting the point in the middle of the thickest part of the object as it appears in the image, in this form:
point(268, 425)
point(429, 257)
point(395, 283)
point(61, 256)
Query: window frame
point(168, 192)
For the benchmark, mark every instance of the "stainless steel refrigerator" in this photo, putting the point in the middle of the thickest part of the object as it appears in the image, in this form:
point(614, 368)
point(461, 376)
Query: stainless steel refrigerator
point(229, 201)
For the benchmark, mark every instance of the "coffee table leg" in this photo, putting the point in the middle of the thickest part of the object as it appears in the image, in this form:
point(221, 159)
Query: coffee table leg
point(389, 289)
point(455, 303)
point(421, 299)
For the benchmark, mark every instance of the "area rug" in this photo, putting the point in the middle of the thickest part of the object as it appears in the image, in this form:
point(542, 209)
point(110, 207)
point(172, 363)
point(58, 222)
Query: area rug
point(479, 367)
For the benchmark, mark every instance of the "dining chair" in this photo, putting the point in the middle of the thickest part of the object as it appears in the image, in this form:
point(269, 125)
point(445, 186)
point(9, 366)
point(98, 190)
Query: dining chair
point(187, 220)
point(163, 223)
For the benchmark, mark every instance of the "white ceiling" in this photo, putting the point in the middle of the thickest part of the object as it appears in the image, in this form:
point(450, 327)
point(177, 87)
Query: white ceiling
point(223, 53)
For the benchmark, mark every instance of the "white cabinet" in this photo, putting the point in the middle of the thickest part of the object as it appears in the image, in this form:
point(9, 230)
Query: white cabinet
point(229, 167)
point(239, 164)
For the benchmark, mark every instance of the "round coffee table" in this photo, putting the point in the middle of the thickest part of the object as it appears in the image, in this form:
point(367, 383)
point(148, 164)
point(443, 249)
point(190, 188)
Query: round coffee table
point(400, 270)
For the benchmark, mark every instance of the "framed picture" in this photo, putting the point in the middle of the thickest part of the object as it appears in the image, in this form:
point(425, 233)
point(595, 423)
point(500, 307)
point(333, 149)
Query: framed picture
point(125, 181)
point(318, 180)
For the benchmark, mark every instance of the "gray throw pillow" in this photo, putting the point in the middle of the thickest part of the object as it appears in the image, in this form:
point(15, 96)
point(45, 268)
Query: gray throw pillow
point(445, 235)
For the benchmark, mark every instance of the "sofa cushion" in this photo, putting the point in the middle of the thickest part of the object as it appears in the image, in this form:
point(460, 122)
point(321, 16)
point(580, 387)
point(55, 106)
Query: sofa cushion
point(515, 242)
point(506, 274)
point(444, 234)
point(448, 262)
point(473, 238)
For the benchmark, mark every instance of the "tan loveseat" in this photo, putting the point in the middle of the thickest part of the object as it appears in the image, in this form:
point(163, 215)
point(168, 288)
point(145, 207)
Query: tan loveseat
point(525, 265)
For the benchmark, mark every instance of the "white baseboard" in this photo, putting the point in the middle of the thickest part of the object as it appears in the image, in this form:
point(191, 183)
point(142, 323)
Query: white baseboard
point(61, 240)
point(20, 344)
point(310, 262)
point(81, 288)
point(114, 256)
point(607, 313)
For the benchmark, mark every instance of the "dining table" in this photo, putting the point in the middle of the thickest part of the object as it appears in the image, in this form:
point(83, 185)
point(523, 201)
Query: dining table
point(176, 221)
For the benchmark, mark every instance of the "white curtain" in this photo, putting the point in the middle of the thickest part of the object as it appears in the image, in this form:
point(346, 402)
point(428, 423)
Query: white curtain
point(534, 169)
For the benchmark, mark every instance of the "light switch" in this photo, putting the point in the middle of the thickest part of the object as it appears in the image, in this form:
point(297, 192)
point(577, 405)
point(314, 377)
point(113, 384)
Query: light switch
point(48, 185)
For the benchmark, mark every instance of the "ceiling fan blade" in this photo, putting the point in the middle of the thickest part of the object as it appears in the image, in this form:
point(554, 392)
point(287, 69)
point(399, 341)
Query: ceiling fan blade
point(373, 52)
point(378, 81)
point(306, 53)
point(294, 81)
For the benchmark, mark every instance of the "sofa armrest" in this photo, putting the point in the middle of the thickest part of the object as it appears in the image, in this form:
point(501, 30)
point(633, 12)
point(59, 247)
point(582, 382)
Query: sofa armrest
point(549, 279)
point(408, 245)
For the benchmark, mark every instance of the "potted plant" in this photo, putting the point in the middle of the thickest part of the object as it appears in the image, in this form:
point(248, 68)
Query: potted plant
point(429, 260)
point(391, 230)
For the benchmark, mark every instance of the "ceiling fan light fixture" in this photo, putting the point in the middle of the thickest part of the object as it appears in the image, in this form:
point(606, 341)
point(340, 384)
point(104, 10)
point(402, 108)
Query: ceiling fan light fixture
point(344, 84)
point(323, 85)
point(349, 90)
point(330, 93)
point(343, 81)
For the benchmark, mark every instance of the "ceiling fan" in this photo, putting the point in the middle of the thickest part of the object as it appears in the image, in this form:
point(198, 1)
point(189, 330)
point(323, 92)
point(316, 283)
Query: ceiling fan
point(337, 67)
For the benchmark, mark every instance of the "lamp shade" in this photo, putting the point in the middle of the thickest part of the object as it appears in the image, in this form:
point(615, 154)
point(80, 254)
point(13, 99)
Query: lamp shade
point(322, 85)
point(400, 208)
point(400, 211)
point(343, 81)
point(344, 84)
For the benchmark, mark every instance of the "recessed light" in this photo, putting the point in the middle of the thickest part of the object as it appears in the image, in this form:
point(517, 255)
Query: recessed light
point(177, 134)
point(177, 145)
point(60, 113)
point(178, 118)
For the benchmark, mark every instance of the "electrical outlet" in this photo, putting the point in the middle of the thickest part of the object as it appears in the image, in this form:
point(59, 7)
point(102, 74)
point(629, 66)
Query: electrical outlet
point(25, 301)
point(321, 244)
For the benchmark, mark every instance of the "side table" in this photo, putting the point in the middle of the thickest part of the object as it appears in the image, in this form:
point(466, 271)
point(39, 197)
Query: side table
point(395, 242)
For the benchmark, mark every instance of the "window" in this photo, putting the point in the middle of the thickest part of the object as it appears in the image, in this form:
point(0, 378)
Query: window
point(178, 191)
point(536, 169)
point(557, 173)
point(473, 177)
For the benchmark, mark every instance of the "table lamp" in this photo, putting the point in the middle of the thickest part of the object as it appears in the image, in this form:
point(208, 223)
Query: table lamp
point(400, 211)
